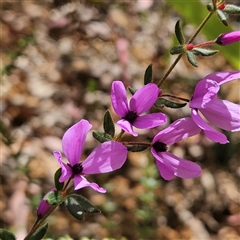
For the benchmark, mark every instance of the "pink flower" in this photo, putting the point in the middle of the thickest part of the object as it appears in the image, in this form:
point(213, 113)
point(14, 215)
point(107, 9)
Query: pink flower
point(140, 102)
point(221, 113)
point(107, 157)
point(228, 38)
point(168, 164)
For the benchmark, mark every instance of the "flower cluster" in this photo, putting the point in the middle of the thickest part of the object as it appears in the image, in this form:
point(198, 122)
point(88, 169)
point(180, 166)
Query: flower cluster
point(111, 155)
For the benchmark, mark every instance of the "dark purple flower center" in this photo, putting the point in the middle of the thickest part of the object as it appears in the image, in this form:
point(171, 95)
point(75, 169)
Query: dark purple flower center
point(160, 147)
point(131, 116)
point(77, 168)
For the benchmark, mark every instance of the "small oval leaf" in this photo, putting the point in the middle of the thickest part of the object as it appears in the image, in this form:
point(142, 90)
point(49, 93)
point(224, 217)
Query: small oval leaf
point(191, 58)
point(222, 17)
point(108, 124)
point(131, 90)
point(57, 175)
point(74, 208)
point(148, 75)
point(85, 204)
point(167, 103)
point(177, 50)
point(6, 235)
point(231, 9)
point(78, 205)
point(179, 33)
point(136, 148)
point(204, 52)
point(40, 233)
point(101, 137)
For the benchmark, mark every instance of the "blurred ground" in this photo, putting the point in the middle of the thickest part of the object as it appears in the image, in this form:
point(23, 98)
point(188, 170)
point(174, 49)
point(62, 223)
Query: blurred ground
point(59, 60)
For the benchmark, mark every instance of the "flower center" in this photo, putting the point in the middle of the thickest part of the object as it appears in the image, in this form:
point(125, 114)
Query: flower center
point(77, 168)
point(131, 116)
point(160, 147)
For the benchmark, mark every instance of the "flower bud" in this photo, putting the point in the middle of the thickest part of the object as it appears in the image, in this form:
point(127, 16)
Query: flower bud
point(228, 38)
point(44, 206)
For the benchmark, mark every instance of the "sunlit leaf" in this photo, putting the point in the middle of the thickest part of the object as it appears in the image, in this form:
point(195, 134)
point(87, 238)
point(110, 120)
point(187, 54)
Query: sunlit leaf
point(101, 137)
point(108, 124)
point(148, 75)
point(57, 175)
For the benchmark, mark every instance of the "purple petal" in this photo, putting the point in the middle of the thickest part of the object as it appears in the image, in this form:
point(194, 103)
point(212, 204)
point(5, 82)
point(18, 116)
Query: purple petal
point(223, 114)
point(166, 169)
point(204, 92)
point(150, 120)
point(223, 77)
point(177, 131)
point(211, 133)
point(81, 182)
point(126, 126)
point(119, 99)
point(43, 208)
point(66, 170)
point(144, 98)
point(107, 157)
point(182, 168)
point(73, 141)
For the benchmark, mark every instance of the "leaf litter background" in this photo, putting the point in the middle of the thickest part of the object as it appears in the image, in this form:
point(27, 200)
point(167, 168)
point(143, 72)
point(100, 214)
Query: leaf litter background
point(59, 59)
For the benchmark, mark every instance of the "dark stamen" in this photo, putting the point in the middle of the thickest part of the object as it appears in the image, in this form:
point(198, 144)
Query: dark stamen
point(131, 116)
point(160, 147)
point(77, 168)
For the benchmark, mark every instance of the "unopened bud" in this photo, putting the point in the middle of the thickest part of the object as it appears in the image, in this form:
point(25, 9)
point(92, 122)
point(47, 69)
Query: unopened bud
point(228, 38)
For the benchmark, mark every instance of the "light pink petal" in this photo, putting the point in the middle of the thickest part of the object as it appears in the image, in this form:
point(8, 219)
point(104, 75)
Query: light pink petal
point(144, 98)
point(127, 127)
point(182, 168)
point(73, 141)
point(165, 168)
point(223, 77)
point(107, 157)
point(204, 92)
point(81, 182)
point(150, 120)
point(211, 133)
point(66, 170)
point(119, 98)
point(177, 131)
point(223, 114)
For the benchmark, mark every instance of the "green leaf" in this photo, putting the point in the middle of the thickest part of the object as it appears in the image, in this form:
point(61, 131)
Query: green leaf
point(101, 137)
point(231, 9)
point(177, 50)
point(191, 58)
point(57, 175)
point(187, 10)
point(6, 235)
point(136, 148)
point(108, 124)
point(131, 90)
point(54, 197)
point(211, 7)
point(167, 103)
point(204, 52)
point(148, 75)
point(222, 17)
point(78, 205)
point(179, 33)
point(40, 233)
